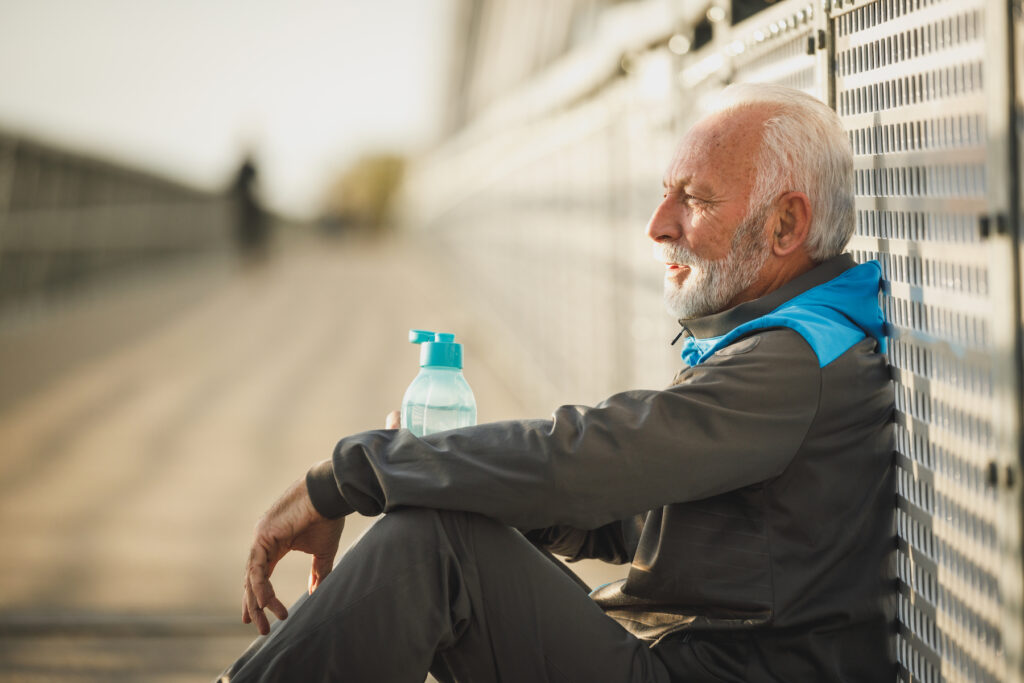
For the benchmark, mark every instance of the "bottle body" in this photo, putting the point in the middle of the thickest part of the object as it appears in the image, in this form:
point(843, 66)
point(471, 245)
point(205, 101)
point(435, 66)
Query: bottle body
point(438, 399)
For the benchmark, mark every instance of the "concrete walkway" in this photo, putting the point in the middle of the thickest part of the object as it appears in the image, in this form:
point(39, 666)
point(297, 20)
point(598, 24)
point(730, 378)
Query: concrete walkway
point(144, 429)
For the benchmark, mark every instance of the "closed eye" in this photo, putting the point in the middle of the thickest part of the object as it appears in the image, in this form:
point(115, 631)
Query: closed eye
point(685, 198)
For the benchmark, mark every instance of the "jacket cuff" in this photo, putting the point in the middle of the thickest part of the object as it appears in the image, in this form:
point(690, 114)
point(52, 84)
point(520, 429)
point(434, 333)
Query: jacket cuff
point(324, 493)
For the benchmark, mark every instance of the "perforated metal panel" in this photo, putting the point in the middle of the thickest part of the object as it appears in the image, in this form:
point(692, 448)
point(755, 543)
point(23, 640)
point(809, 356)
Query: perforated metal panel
point(910, 87)
point(1018, 109)
point(781, 46)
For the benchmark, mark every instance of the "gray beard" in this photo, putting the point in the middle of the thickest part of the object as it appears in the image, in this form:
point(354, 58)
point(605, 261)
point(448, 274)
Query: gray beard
point(711, 285)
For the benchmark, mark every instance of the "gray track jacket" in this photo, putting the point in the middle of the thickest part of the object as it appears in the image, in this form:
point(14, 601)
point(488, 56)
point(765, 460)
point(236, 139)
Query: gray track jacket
point(753, 497)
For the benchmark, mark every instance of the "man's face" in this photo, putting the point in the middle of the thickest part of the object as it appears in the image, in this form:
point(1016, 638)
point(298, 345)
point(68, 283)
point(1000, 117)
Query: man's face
point(712, 249)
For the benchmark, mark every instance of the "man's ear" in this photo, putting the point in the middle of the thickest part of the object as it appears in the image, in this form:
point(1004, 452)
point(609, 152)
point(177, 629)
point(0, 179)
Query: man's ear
point(794, 214)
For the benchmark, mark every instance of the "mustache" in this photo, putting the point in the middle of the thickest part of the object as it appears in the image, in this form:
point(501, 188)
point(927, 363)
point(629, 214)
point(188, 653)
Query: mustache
point(675, 253)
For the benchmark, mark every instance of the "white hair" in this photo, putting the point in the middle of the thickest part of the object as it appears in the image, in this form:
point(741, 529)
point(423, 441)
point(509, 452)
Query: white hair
point(804, 149)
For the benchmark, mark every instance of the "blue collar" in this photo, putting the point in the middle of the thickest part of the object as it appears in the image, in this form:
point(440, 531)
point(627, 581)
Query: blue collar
point(831, 316)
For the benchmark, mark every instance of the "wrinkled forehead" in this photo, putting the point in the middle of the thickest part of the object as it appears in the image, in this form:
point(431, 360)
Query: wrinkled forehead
point(722, 147)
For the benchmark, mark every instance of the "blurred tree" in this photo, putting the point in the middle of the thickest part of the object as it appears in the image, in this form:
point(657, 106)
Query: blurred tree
point(362, 197)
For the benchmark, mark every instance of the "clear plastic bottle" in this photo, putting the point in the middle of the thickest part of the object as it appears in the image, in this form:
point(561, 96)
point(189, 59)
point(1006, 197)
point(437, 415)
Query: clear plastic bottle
point(439, 398)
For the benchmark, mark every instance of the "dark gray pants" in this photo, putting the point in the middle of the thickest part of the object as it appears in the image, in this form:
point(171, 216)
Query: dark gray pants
point(457, 594)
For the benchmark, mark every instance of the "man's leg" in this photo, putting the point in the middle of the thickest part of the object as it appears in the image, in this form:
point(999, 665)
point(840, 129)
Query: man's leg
point(459, 587)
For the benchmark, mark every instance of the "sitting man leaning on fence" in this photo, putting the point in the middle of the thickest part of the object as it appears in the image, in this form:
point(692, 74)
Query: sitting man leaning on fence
point(753, 497)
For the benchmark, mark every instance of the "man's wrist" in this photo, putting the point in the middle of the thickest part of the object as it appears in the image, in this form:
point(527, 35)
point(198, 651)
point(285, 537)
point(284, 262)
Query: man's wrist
point(324, 493)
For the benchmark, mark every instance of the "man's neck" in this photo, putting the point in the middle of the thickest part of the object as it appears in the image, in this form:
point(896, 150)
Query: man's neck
point(775, 273)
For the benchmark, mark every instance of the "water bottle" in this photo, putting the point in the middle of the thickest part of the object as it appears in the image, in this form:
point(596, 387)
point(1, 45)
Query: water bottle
point(439, 398)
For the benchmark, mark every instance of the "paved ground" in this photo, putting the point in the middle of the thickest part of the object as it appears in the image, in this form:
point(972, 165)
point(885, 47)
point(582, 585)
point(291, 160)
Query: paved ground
point(145, 427)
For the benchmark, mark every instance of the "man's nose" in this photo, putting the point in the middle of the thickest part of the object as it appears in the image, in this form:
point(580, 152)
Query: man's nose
point(664, 223)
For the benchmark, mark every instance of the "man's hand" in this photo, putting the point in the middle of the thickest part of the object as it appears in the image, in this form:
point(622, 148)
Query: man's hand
point(393, 420)
point(291, 523)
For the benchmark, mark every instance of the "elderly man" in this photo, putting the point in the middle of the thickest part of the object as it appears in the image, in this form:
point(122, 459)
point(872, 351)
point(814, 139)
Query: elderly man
point(753, 497)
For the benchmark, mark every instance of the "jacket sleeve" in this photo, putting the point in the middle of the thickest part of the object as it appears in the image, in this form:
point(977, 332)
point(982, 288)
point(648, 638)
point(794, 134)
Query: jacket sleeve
point(735, 420)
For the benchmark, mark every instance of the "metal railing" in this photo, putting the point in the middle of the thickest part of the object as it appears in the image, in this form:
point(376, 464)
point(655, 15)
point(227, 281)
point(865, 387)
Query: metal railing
point(65, 218)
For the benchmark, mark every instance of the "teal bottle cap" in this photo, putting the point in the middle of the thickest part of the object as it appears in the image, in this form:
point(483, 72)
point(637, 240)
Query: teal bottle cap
point(437, 349)
point(420, 336)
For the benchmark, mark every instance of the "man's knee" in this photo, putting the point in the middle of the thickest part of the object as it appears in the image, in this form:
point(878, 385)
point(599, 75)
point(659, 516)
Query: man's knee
point(413, 522)
point(415, 529)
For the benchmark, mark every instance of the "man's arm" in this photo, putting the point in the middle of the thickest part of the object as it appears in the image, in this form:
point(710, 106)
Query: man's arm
point(615, 542)
point(735, 420)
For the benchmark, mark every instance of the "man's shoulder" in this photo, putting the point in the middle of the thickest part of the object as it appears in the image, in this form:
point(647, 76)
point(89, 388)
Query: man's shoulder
point(770, 344)
point(776, 354)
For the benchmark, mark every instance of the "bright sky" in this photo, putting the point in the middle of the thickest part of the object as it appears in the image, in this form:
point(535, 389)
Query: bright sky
point(182, 87)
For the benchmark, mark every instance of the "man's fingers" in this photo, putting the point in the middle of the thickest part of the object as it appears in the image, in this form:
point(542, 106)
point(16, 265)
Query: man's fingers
point(277, 608)
point(262, 623)
point(314, 578)
point(265, 596)
point(393, 420)
point(259, 594)
point(254, 613)
point(246, 619)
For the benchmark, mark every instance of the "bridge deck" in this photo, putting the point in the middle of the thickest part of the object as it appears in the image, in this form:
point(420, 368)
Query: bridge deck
point(144, 431)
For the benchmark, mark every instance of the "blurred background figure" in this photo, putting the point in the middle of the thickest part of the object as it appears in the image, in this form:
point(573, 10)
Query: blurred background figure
point(252, 230)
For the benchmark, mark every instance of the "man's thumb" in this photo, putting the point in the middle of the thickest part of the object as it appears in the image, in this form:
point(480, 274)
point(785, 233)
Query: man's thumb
point(318, 572)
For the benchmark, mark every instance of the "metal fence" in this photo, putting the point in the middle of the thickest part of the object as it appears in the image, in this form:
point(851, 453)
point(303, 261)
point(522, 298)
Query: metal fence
point(923, 90)
point(543, 215)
